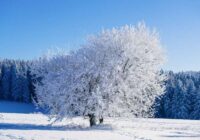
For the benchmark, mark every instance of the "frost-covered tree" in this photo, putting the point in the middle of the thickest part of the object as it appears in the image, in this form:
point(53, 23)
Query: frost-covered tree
point(24, 81)
point(195, 114)
point(116, 73)
point(180, 106)
point(191, 94)
point(126, 62)
point(6, 80)
point(15, 84)
point(30, 81)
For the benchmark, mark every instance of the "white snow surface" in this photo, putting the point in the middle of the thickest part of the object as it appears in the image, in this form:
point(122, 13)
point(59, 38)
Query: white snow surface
point(36, 126)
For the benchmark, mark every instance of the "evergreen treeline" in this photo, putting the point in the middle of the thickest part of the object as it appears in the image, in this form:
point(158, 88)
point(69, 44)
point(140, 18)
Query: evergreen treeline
point(182, 97)
point(15, 80)
point(180, 101)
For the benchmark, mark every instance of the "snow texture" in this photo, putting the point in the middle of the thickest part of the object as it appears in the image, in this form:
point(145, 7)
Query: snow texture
point(36, 126)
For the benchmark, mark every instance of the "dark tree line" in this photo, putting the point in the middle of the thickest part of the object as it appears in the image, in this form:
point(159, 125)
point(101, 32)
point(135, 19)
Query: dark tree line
point(16, 82)
point(180, 101)
point(182, 97)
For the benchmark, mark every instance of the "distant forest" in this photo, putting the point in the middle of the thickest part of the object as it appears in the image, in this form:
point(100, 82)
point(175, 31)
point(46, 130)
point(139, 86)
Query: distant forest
point(182, 96)
point(180, 101)
point(16, 82)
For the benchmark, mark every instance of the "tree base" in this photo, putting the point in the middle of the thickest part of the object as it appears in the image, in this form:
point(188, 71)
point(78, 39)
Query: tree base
point(92, 119)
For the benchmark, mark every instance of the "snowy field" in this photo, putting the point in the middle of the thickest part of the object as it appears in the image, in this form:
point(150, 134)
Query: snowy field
point(18, 125)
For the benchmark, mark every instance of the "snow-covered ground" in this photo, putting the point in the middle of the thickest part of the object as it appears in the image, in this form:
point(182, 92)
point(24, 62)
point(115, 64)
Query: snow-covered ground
point(16, 125)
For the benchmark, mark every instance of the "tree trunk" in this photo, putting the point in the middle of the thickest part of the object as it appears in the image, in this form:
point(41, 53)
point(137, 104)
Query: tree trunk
point(92, 118)
point(101, 120)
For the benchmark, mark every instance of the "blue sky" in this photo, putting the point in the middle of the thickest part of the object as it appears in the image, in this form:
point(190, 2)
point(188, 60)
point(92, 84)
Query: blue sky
point(30, 27)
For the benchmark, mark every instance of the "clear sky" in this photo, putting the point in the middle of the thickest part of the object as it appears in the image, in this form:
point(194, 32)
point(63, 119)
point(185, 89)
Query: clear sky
point(30, 27)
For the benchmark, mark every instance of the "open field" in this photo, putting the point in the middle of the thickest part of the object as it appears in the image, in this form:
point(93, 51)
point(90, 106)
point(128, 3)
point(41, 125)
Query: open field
point(35, 126)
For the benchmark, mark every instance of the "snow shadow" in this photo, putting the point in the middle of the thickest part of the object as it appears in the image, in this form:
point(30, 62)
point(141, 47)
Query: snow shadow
point(182, 135)
point(12, 126)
